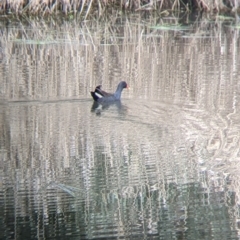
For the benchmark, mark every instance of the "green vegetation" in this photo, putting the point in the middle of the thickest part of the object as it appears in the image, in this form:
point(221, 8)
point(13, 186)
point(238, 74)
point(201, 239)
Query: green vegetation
point(99, 7)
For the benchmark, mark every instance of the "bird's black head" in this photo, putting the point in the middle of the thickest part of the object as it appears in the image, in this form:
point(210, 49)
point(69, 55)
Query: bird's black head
point(123, 84)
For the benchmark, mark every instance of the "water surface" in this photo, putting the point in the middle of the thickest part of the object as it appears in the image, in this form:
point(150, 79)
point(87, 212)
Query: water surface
point(161, 164)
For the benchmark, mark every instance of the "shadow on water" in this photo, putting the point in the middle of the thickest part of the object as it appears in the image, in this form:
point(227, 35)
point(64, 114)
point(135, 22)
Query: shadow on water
point(99, 108)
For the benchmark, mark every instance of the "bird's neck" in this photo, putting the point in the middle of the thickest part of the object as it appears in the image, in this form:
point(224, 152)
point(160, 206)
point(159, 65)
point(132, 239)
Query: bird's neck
point(117, 94)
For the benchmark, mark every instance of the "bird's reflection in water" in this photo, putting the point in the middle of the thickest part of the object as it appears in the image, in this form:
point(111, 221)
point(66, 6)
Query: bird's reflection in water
point(98, 108)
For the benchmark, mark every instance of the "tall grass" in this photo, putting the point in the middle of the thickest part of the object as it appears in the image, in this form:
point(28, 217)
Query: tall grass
point(99, 7)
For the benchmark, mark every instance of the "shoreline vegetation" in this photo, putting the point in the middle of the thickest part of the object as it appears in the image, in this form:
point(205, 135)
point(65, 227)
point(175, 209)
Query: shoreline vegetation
point(100, 7)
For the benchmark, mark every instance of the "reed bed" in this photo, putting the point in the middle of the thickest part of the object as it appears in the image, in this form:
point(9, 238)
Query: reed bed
point(71, 42)
point(98, 7)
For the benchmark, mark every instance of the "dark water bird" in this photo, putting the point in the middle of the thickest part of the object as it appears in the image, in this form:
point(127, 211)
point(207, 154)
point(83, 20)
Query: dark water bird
point(103, 97)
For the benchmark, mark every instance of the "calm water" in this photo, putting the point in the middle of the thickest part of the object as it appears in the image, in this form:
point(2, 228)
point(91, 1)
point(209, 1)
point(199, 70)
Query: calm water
point(162, 164)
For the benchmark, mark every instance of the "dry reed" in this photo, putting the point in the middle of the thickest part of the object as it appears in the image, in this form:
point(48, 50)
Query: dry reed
point(32, 159)
point(86, 7)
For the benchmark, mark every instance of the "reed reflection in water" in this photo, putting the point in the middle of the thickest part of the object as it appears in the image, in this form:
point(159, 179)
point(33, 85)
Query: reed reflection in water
point(161, 164)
